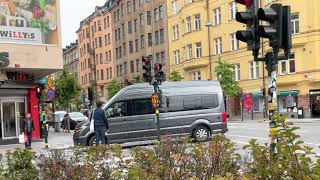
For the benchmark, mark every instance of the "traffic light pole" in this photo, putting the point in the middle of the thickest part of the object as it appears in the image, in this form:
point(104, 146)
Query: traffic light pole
point(44, 123)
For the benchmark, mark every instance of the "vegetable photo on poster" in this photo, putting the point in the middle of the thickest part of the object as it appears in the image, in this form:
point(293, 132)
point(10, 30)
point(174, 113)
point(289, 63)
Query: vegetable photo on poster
point(28, 21)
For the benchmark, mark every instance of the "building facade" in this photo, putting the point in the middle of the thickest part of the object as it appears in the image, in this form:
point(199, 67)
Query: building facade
point(139, 28)
point(96, 60)
point(32, 54)
point(298, 79)
point(71, 59)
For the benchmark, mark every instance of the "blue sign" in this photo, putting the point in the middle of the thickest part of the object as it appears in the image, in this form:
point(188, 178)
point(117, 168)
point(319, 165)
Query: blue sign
point(51, 94)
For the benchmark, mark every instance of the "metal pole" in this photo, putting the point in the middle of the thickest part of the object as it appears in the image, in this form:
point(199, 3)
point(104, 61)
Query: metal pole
point(252, 113)
point(242, 107)
point(158, 123)
point(44, 123)
point(209, 40)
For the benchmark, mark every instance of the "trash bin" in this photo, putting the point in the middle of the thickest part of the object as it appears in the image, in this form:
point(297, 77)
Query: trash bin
point(300, 113)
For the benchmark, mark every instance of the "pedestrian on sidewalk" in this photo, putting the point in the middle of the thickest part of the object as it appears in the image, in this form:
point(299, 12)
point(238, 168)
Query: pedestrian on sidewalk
point(28, 128)
point(101, 124)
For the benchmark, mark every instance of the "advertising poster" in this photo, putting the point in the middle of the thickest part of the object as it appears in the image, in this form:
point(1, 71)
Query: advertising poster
point(28, 21)
point(247, 102)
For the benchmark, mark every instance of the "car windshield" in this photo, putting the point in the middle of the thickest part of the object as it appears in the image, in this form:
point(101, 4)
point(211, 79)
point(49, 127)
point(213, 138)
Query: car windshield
point(76, 115)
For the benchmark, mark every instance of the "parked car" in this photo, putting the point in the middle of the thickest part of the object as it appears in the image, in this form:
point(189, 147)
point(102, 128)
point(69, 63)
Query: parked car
point(189, 108)
point(75, 118)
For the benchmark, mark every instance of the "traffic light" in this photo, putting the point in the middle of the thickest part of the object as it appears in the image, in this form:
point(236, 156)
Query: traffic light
point(272, 31)
point(38, 92)
point(159, 74)
point(286, 30)
point(147, 76)
point(249, 18)
point(90, 94)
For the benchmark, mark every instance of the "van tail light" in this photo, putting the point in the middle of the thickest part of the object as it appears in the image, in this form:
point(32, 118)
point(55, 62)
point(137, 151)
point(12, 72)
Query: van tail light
point(224, 117)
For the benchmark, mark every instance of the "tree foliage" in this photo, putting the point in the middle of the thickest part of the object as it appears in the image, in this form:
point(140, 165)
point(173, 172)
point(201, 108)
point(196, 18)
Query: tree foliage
point(225, 74)
point(175, 76)
point(113, 88)
point(67, 88)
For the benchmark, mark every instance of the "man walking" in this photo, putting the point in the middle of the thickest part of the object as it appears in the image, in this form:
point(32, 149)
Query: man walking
point(101, 124)
point(27, 128)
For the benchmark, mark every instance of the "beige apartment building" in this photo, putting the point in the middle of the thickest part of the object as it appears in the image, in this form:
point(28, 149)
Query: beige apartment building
point(140, 29)
point(96, 60)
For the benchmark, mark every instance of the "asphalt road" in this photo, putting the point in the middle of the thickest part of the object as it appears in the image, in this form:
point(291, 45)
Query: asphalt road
point(241, 133)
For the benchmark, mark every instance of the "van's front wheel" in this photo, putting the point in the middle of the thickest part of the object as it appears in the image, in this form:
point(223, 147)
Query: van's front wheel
point(201, 134)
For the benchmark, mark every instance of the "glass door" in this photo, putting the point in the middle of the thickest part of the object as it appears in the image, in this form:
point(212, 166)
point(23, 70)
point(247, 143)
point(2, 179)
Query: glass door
point(9, 119)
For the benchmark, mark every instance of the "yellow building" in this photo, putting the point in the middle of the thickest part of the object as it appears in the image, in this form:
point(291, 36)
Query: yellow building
point(200, 32)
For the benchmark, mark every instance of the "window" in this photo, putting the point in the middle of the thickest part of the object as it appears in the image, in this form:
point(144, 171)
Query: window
point(142, 41)
point(131, 67)
point(121, 70)
point(105, 40)
point(137, 45)
point(107, 72)
point(149, 17)
point(124, 48)
point(163, 56)
point(254, 70)
point(217, 16)
point(116, 34)
point(122, 10)
point(100, 42)
point(97, 74)
point(234, 42)
point(101, 58)
point(141, 106)
point(218, 45)
point(295, 24)
point(123, 30)
point(156, 14)
point(283, 70)
point(141, 20)
point(188, 21)
point(156, 37)
point(129, 8)
point(138, 65)
point(198, 50)
point(110, 56)
point(110, 72)
point(125, 68)
point(197, 22)
point(104, 23)
point(149, 39)
point(175, 30)
point(237, 72)
point(233, 10)
point(176, 57)
point(161, 12)
point(102, 75)
point(109, 38)
point(174, 7)
point(140, 2)
point(117, 109)
point(108, 21)
point(120, 52)
point(196, 76)
point(135, 25)
point(134, 5)
point(99, 26)
point(189, 49)
point(130, 46)
point(118, 71)
point(292, 66)
point(130, 27)
point(107, 57)
point(161, 36)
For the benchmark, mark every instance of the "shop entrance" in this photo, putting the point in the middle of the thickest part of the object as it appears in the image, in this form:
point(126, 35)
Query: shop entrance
point(11, 110)
point(315, 103)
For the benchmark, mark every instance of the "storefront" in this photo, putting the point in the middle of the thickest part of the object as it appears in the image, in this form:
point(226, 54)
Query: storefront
point(315, 103)
point(15, 101)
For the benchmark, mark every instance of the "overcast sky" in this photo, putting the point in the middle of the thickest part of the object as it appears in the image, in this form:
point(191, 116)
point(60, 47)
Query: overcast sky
point(72, 12)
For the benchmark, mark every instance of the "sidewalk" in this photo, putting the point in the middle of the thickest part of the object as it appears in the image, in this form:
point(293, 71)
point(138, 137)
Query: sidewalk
point(238, 119)
point(56, 140)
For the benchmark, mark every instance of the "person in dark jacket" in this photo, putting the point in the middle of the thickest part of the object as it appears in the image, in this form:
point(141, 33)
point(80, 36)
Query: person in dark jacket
point(28, 128)
point(101, 124)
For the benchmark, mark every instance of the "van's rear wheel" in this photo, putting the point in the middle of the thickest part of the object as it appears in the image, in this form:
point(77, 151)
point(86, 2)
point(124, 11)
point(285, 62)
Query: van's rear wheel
point(92, 141)
point(201, 133)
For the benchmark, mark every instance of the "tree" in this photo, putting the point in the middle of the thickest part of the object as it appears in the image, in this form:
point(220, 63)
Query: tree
point(113, 88)
point(136, 79)
point(175, 76)
point(68, 89)
point(225, 74)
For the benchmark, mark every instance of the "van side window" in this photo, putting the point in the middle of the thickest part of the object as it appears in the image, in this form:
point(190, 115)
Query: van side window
point(117, 109)
point(141, 106)
point(194, 102)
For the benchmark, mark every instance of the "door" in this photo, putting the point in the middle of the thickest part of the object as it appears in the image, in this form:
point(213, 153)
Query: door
point(141, 123)
point(9, 124)
point(117, 119)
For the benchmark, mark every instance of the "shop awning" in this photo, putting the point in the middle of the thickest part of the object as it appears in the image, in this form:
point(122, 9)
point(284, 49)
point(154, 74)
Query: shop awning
point(286, 93)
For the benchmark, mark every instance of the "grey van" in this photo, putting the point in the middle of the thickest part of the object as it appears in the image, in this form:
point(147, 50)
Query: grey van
point(194, 108)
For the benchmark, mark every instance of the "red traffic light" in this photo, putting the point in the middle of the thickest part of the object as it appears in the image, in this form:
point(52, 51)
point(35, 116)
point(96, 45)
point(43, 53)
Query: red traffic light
point(248, 3)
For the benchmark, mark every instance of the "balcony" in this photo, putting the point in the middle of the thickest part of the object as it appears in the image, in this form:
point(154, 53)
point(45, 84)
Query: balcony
point(195, 63)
